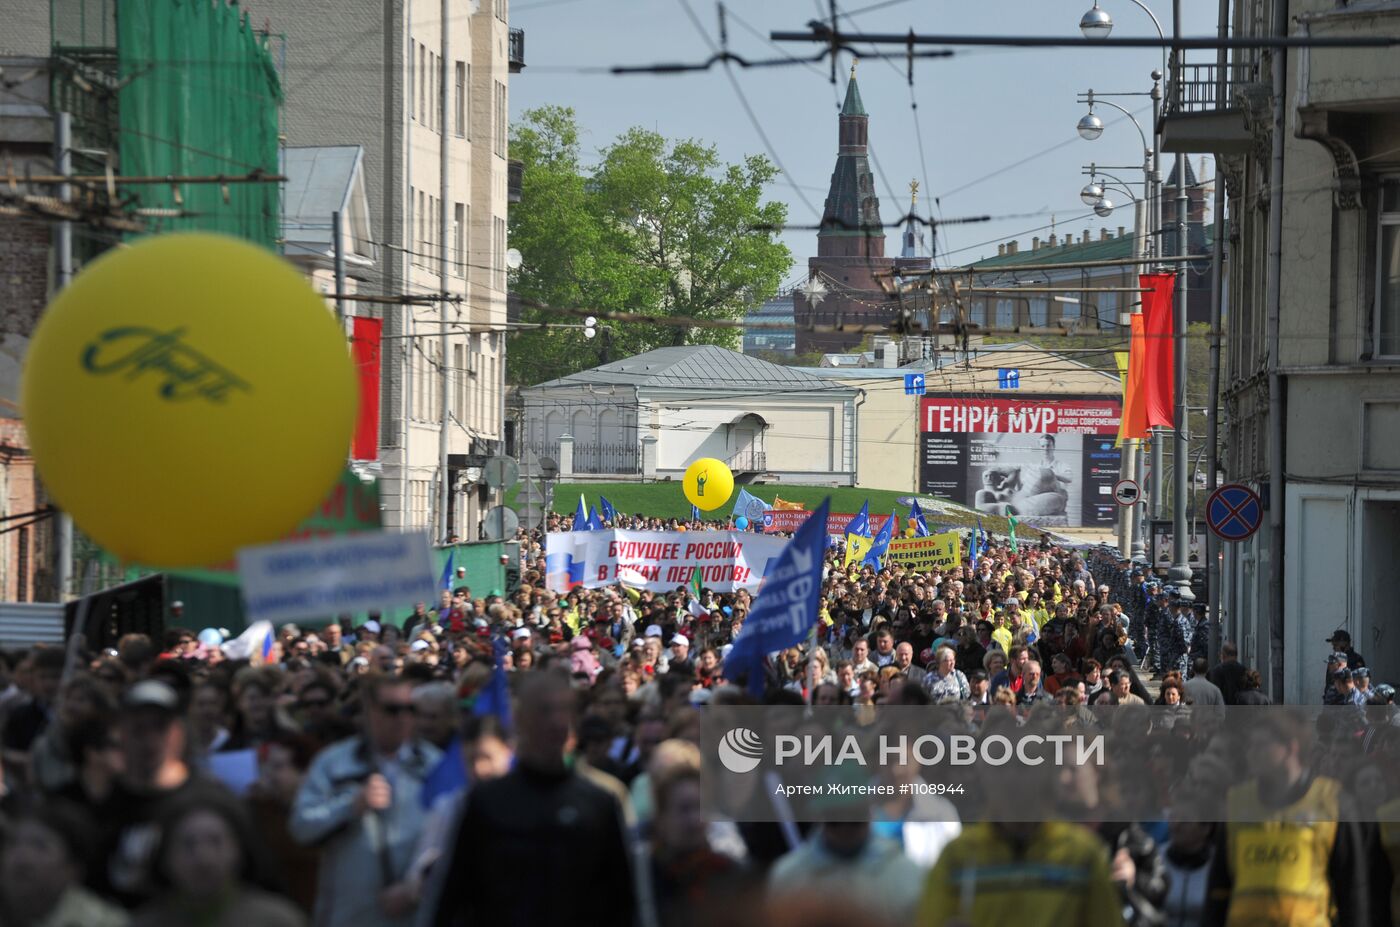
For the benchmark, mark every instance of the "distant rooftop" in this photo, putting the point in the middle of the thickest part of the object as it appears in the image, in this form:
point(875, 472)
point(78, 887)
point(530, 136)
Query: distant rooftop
point(700, 366)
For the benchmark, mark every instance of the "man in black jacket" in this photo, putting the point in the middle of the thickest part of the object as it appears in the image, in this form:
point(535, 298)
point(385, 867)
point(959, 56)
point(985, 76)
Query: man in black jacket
point(1228, 675)
point(542, 817)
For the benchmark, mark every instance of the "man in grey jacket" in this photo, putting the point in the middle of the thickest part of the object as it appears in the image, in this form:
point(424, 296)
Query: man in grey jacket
point(360, 803)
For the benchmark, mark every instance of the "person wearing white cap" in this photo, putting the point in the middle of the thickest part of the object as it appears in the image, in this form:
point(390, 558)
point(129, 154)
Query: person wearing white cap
point(680, 655)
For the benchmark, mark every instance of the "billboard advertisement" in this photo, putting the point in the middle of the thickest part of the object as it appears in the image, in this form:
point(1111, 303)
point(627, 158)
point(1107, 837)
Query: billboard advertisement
point(1048, 460)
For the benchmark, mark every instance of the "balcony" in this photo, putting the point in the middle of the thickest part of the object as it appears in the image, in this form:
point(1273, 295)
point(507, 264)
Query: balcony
point(515, 177)
point(749, 460)
point(1199, 119)
point(516, 51)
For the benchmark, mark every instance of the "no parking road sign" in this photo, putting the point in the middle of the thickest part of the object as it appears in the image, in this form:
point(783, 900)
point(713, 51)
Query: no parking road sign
point(1234, 512)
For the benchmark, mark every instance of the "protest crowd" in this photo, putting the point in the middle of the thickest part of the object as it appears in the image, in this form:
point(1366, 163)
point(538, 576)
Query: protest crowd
point(533, 758)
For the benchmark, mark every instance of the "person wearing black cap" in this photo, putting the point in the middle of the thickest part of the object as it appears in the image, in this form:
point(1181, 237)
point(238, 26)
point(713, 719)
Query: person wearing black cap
point(1341, 643)
point(154, 775)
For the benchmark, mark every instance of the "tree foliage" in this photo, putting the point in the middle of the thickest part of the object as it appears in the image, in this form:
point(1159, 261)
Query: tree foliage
point(654, 226)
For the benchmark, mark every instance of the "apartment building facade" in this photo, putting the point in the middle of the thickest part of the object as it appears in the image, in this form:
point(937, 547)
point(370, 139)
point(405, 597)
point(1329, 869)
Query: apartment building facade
point(424, 89)
point(1311, 397)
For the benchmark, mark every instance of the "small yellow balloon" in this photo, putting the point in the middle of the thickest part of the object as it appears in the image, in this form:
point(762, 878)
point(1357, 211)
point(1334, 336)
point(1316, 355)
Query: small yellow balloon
point(708, 484)
point(909, 532)
point(188, 396)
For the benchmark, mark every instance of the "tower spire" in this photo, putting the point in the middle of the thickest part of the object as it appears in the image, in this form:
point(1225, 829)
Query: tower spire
point(851, 224)
point(913, 238)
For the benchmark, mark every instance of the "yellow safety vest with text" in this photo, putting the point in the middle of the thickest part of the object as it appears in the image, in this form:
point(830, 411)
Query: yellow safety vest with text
point(1278, 857)
point(1389, 815)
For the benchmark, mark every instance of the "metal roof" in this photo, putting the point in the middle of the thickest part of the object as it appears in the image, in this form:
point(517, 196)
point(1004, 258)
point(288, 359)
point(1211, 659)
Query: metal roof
point(1101, 250)
point(319, 181)
point(700, 367)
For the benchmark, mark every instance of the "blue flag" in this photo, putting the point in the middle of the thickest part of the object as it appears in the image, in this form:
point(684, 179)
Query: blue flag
point(916, 515)
point(877, 550)
point(694, 513)
point(860, 525)
point(580, 516)
point(976, 544)
point(447, 777)
point(494, 698)
point(786, 607)
point(446, 581)
point(749, 506)
point(594, 522)
point(609, 513)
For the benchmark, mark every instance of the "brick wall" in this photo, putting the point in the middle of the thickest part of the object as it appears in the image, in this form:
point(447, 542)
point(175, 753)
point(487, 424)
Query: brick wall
point(24, 275)
point(26, 553)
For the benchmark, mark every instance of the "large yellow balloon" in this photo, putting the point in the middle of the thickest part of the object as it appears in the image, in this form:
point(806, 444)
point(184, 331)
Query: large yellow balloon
point(186, 397)
point(708, 484)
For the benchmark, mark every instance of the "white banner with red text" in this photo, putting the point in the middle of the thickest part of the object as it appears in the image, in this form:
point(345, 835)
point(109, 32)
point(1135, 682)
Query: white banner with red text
point(659, 560)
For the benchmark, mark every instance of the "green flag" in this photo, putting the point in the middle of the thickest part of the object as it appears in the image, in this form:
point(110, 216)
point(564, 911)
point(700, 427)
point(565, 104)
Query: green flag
point(694, 586)
point(1011, 521)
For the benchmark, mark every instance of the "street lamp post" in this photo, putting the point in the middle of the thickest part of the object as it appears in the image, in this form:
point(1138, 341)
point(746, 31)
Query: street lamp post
point(1130, 519)
point(1098, 24)
point(1090, 127)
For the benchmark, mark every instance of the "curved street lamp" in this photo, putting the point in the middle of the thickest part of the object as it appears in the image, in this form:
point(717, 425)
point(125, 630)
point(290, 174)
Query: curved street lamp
point(1092, 193)
point(1096, 24)
point(1090, 125)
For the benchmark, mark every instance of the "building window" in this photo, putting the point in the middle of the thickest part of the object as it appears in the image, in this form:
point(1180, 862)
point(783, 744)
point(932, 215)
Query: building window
point(500, 123)
point(412, 81)
point(498, 253)
point(422, 82)
point(1108, 310)
point(1039, 311)
point(460, 101)
point(407, 245)
point(1388, 270)
point(459, 380)
point(1006, 313)
point(468, 97)
point(501, 10)
point(459, 225)
point(422, 223)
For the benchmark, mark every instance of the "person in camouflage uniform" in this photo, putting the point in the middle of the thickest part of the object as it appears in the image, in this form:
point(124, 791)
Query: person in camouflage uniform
point(1200, 636)
point(1179, 627)
point(1136, 608)
point(1157, 625)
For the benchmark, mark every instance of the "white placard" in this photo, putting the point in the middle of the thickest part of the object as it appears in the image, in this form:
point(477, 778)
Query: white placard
point(327, 576)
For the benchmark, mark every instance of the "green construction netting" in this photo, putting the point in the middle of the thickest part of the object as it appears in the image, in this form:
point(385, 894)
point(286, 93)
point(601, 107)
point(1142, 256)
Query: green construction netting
point(199, 97)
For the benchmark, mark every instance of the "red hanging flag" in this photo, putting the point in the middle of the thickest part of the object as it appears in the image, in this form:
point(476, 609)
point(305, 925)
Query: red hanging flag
point(366, 341)
point(1158, 374)
point(1134, 402)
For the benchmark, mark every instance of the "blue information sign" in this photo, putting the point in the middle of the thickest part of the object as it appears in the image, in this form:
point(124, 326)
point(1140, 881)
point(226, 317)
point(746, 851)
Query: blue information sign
point(913, 384)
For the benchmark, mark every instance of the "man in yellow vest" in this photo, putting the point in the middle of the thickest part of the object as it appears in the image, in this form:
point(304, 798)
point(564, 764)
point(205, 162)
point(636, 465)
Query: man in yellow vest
point(1029, 875)
point(1289, 856)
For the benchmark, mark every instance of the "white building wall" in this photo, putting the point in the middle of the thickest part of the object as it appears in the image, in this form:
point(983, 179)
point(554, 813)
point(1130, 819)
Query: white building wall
point(805, 434)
